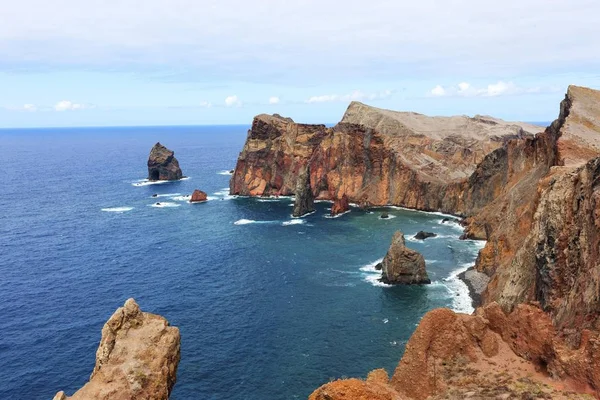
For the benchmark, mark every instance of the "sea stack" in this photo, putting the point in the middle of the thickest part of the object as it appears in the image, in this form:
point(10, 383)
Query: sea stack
point(162, 164)
point(340, 205)
point(402, 265)
point(198, 196)
point(137, 358)
point(305, 201)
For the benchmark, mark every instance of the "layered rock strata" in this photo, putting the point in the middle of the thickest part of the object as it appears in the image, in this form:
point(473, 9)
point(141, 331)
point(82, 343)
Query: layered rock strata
point(162, 164)
point(137, 358)
point(402, 265)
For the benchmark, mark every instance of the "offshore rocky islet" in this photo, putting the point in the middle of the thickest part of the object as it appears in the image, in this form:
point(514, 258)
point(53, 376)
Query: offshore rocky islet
point(531, 196)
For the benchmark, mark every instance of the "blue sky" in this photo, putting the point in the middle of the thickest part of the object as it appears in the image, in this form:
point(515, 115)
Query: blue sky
point(159, 62)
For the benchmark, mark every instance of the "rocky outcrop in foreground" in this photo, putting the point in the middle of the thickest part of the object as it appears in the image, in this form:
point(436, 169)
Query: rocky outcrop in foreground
point(489, 355)
point(198, 196)
point(304, 202)
point(402, 265)
point(137, 358)
point(162, 164)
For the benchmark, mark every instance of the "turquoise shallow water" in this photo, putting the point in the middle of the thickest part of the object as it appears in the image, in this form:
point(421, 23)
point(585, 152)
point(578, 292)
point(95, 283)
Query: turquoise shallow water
point(269, 307)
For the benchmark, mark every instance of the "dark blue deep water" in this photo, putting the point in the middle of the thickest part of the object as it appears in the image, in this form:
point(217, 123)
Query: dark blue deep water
point(269, 307)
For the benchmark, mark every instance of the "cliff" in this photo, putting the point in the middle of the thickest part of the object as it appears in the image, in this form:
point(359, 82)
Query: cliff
point(137, 358)
point(373, 156)
point(535, 200)
point(162, 164)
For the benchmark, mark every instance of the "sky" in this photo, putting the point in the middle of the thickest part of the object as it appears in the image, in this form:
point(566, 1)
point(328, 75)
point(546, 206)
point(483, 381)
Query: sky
point(190, 62)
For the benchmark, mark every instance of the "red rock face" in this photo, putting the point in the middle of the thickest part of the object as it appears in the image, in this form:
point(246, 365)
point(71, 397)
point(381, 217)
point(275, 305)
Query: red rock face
point(340, 206)
point(198, 196)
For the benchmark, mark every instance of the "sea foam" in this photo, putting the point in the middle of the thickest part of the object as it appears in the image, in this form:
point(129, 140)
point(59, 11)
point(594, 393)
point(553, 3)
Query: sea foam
point(117, 209)
point(164, 204)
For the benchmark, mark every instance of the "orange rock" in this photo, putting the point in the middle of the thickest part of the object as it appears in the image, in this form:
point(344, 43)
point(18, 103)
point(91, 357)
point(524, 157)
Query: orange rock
point(340, 205)
point(198, 196)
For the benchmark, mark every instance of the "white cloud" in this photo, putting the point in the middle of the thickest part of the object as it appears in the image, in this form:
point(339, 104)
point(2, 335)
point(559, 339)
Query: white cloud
point(25, 107)
point(231, 101)
point(499, 88)
point(66, 105)
point(220, 37)
point(438, 91)
point(356, 95)
point(274, 100)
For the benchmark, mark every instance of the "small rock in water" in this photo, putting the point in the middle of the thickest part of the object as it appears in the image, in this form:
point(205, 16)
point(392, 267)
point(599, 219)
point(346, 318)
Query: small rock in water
point(198, 196)
point(384, 215)
point(422, 235)
point(231, 171)
point(155, 195)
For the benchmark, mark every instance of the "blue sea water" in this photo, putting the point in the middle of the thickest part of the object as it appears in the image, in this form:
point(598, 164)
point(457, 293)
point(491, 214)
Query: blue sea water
point(269, 307)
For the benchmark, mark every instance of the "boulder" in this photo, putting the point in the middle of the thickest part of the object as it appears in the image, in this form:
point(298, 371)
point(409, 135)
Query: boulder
point(422, 235)
point(340, 205)
point(384, 215)
point(305, 201)
point(162, 164)
point(402, 265)
point(198, 196)
point(137, 358)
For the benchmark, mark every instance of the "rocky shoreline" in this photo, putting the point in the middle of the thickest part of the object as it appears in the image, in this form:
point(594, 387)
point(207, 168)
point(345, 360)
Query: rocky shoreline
point(476, 283)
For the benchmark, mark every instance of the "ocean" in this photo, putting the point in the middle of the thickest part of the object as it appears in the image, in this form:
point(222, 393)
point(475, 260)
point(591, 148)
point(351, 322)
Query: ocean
point(269, 307)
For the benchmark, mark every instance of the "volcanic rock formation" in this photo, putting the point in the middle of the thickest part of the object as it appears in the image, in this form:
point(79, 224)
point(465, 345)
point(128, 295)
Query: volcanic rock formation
point(162, 164)
point(137, 358)
point(536, 201)
point(373, 156)
point(305, 201)
point(340, 205)
point(422, 235)
point(402, 265)
point(198, 196)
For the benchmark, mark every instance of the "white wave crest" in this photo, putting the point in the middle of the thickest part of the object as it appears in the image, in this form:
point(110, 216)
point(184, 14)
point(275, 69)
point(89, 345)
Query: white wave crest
point(225, 172)
point(182, 198)
point(337, 215)
point(294, 222)
point(371, 275)
point(165, 195)
point(117, 209)
point(164, 204)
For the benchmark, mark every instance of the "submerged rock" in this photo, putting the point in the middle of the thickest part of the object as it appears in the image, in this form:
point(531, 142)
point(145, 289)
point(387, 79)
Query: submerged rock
point(340, 205)
point(402, 265)
point(305, 201)
point(137, 358)
point(162, 164)
point(422, 235)
point(198, 196)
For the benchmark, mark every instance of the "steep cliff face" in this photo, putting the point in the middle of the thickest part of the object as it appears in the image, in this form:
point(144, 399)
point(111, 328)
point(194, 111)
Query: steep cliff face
point(373, 156)
point(137, 358)
point(519, 219)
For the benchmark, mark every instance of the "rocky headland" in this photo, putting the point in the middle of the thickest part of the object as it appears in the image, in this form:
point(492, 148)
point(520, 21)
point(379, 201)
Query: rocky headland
point(162, 164)
point(402, 265)
point(137, 358)
point(531, 193)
